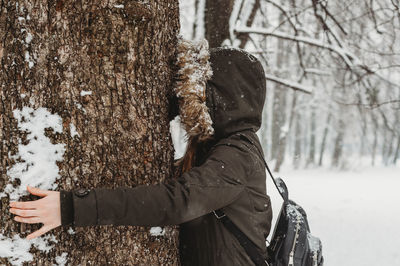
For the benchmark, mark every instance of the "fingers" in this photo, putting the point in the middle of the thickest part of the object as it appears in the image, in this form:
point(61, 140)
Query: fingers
point(23, 204)
point(37, 191)
point(39, 232)
point(24, 212)
point(27, 220)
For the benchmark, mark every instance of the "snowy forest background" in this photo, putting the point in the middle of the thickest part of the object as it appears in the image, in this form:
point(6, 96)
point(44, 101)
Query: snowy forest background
point(333, 89)
point(331, 118)
point(330, 125)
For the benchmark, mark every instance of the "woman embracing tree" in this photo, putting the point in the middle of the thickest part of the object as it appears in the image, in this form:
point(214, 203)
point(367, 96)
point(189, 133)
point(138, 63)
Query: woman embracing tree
point(222, 170)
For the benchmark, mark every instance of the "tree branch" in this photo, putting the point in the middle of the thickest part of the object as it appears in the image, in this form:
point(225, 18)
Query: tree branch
point(293, 85)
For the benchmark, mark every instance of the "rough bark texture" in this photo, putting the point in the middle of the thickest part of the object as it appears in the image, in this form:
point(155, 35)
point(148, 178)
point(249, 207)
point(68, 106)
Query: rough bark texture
point(216, 20)
point(124, 55)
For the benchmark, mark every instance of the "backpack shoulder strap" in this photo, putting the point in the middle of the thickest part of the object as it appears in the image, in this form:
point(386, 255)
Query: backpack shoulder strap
point(244, 241)
point(250, 248)
point(281, 187)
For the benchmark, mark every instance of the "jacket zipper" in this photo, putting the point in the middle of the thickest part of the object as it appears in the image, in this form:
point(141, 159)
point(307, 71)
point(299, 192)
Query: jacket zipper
point(291, 254)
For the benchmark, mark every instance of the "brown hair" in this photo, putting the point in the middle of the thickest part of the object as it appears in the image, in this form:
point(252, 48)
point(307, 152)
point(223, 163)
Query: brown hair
point(195, 147)
point(186, 163)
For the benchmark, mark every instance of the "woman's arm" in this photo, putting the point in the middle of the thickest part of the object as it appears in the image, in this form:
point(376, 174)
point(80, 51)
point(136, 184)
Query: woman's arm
point(211, 186)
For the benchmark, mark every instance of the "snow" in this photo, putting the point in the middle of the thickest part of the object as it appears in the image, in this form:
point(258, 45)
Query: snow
point(193, 58)
point(35, 166)
point(62, 259)
point(345, 54)
point(72, 130)
point(84, 93)
point(157, 231)
point(290, 84)
point(119, 6)
point(233, 20)
point(36, 161)
point(179, 138)
point(80, 107)
point(314, 243)
point(16, 249)
point(28, 38)
point(354, 213)
point(71, 231)
point(28, 59)
point(192, 19)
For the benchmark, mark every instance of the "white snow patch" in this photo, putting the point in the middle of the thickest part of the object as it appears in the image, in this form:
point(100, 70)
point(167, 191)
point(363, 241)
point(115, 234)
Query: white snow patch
point(119, 6)
point(16, 249)
point(80, 107)
point(28, 38)
point(71, 231)
point(36, 161)
point(179, 137)
point(354, 213)
point(157, 231)
point(84, 93)
point(62, 259)
point(28, 59)
point(23, 95)
point(73, 131)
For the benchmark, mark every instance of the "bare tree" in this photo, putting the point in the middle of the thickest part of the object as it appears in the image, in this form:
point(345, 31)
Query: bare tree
point(318, 48)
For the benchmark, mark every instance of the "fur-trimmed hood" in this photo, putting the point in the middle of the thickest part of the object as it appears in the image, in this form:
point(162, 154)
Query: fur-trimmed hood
point(221, 91)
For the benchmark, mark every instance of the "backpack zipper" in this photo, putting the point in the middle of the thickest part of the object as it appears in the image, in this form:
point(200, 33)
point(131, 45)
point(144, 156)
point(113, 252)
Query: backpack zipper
point(291, 254)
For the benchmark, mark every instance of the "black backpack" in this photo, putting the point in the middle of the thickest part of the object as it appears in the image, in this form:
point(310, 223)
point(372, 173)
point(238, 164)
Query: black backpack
point(292, 243)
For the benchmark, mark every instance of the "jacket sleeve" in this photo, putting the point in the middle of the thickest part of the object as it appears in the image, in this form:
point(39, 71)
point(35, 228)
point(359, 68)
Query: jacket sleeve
point(213, 185)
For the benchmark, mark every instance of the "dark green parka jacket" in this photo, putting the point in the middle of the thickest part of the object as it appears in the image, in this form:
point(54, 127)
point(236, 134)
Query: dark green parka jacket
point(230, 175)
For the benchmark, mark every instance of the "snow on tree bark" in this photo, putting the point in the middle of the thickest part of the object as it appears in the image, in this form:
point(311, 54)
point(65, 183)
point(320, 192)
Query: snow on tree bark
point(105, 68)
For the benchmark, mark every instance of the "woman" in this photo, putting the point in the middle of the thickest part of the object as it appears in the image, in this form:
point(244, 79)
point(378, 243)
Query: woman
point(225, 172)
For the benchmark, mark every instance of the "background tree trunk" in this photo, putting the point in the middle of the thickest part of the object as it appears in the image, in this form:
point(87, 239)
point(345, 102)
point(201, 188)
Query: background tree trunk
point(216, 21)
point(121, 54)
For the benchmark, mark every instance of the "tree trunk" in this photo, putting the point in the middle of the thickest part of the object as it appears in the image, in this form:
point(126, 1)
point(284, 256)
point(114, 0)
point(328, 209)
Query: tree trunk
point(297, 142)
point(285, 135)
point(311, 154)
point(255, 6)
point(323, 143)
point(216, 21)
point(375, 143)
point(104, 69)
point(337, 152)
point(397, 152)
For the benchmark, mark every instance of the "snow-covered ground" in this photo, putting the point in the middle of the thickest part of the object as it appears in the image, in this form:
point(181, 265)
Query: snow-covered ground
point(355, 213)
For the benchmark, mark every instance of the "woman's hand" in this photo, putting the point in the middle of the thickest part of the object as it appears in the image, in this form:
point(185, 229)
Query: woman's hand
point(45, 210)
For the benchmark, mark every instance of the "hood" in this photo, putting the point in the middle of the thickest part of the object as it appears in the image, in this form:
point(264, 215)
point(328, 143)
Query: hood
point(235, 94)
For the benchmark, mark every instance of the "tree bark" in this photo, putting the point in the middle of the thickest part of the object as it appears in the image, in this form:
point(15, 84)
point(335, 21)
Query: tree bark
point(245, 37)
point(311, 154)
point(105, 68)
point(216, 19)
point(297, 142)
point(338, 148)
point(397, 152)
point(323, 142)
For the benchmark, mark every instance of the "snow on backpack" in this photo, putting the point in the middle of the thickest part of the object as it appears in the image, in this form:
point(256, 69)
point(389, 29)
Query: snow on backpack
point(292, 243)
